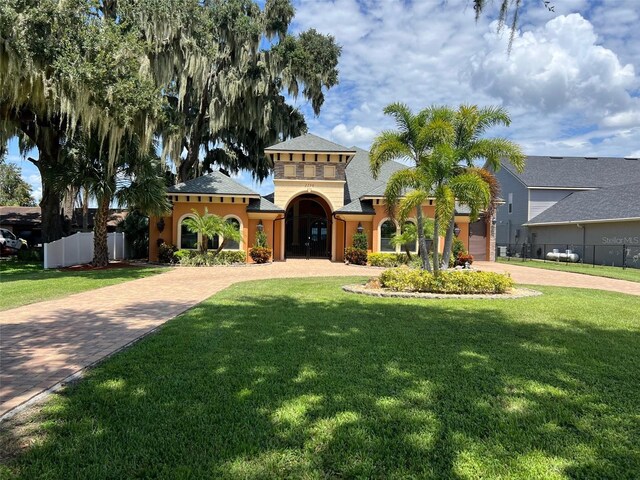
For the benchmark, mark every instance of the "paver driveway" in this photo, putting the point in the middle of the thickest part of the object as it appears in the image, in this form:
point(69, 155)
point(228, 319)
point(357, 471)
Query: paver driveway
point(44, 343)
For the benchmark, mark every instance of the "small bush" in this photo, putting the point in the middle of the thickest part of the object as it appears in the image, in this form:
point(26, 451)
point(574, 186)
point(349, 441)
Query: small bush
point(261, 239)
point(405, 279)
point(30, 254)
point(458, 247)
point(194, 258)
point(360, 241)
point(260, 254)
point(463, 258)
point(387, 260)
point(166, 253)
point(356, 256)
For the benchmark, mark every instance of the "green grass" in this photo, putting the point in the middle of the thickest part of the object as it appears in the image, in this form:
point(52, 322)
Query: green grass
point(297, 379)
point(631, 274)
point(22, 283)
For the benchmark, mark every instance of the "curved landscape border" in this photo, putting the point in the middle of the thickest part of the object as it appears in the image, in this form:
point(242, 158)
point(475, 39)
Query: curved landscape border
point(381, 292)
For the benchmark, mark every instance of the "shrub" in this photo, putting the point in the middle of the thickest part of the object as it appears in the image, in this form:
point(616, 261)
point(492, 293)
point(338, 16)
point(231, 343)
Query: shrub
point(260, 254)
point(30, 254)
point(458, 247)
point(463, 258)
point(360, 241)
point(405, 279)
point(261, 240)
point(387, 260)
point(194, 258)
point(356, 256)
point(166, 253)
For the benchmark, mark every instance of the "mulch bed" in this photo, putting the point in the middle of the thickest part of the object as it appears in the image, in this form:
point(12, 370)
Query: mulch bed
point(110, 266)
point(383, 292)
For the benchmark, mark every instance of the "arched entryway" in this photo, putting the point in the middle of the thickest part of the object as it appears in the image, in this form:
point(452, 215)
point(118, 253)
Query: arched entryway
point(307, 228)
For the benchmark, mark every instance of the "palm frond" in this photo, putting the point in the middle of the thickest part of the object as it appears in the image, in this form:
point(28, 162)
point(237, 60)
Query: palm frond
point(386, 147)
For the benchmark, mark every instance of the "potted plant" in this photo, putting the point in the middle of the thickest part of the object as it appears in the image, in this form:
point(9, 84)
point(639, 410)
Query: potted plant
point(260, 252)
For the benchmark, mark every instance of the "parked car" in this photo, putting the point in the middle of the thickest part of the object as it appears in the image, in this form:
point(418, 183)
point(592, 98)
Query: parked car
point(9, 243)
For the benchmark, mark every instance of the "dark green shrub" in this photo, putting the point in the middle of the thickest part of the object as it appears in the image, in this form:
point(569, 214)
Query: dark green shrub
point(136, 233)
point(166, 253)
point(261, 240)
point(458, 247)
point(356, 256)
point(360, 241)
point(260, 254)
point(405, 279)
point(30, 254)
point(387, 260)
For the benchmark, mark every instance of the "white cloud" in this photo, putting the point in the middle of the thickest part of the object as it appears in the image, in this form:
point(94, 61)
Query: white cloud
point(358, 135)
point(559, 67)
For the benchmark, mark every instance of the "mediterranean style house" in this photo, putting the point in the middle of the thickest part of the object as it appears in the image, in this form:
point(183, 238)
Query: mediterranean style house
point(324, 194)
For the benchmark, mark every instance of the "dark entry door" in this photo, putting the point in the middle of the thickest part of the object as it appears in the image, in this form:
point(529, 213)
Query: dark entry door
point(307, 236)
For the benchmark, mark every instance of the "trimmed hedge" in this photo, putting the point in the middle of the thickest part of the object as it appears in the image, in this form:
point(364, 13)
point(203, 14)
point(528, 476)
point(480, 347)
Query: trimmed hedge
point(193, 258)
point(387, 260)
point(405, 279)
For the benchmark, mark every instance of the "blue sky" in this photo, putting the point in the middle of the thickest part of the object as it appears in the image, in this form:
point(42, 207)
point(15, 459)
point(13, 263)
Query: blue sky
point(571, 82)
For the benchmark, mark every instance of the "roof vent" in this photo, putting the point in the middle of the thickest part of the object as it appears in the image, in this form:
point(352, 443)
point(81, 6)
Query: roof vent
point(557, 158)
point(631, 158)
point(591, 158)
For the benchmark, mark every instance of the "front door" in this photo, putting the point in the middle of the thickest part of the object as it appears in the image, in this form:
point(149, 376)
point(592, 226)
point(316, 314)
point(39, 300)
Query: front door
point(307, 237)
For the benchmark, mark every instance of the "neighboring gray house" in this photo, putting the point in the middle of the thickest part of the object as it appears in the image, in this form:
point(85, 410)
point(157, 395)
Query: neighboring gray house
point(554, 199)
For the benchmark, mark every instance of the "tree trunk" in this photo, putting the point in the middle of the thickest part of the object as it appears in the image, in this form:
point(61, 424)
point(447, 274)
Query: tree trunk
point(436, 240)
point(85, 210)
point(448, 242)
point(100, 248)
point(68, 207)
point(51, 202)
point(422, 242)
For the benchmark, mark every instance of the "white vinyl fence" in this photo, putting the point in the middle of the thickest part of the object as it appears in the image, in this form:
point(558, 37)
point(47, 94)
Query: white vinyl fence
point(77, 249)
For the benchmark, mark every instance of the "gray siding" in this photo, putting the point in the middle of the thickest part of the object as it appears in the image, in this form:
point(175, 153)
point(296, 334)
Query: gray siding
point(508, 224)
point(540, 200)
point(600, 242)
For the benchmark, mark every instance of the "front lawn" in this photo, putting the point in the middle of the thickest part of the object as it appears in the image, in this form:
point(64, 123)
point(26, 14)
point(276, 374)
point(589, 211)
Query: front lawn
point(297, 379)
point(22, 283)
point(631, 274)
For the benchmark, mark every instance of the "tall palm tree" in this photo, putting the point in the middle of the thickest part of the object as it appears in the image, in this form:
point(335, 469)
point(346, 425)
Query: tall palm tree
point(470, 123)
point(413, 141)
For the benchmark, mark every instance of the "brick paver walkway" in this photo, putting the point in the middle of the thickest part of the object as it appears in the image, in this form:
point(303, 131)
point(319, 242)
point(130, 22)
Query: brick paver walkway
point(539, 276)
point(44, 343)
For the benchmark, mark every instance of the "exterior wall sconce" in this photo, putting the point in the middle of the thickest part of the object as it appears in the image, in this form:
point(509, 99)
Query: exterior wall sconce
point(360, 228)
point(260, 226)
point(456, 230)
point(160, 224)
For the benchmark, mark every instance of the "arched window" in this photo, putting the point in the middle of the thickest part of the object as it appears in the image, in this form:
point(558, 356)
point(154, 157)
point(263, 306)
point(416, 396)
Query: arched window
point(412, 246)
point(188, 239)
point(387, 230)
point(230, 244)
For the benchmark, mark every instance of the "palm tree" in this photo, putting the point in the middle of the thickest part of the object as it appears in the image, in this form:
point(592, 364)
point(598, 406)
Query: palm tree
point(470, 123)
point(133, 179)
point(210, 226)
point(413, 140)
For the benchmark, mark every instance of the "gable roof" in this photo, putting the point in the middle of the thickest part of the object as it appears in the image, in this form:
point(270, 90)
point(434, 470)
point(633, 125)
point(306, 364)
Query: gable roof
point(621, 202)
point(214, 183)
point(576, 172)
point(309, 143)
